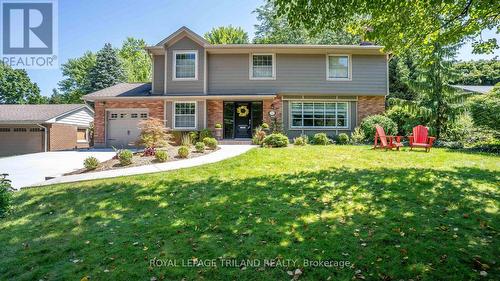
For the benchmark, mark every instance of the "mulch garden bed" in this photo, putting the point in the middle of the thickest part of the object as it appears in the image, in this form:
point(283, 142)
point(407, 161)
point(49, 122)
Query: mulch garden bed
point(139, 160)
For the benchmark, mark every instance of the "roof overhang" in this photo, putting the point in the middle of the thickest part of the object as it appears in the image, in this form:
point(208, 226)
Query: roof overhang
point(192, 96)
point(294, 49)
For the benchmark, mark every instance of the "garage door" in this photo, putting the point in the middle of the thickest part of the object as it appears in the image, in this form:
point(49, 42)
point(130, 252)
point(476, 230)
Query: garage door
point(123, 127)
point(20, 140)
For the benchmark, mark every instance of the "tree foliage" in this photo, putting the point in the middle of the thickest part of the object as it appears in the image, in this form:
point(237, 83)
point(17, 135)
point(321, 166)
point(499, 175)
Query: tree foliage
point(17, 88)
point(482, 72)
point(77, 77)
point(400, 25)
point(401, 73)
point(108, 69)
point(275, 29)
point(485, 109)
point(136, 60)
point(153, 133)
point(227, 35)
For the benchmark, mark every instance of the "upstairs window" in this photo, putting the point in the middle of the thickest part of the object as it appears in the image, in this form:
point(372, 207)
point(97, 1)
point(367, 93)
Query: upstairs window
point(185, 65)
point(338, 67)
point(262, 66)
point(185, 115)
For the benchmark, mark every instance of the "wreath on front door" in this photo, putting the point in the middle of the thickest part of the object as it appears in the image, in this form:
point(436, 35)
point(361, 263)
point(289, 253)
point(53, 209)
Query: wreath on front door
point(242, 111)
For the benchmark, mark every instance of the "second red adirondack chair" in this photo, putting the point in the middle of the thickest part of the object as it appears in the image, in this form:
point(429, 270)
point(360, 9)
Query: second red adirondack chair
point(420, 138)
point(387, 142)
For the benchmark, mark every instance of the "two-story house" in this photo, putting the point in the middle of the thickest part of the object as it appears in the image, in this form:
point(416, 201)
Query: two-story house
point(195, 85)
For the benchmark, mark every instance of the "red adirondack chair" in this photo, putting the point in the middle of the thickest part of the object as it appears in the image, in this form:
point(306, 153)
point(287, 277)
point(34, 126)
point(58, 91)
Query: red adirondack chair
point(386, 142)
point(420, 138)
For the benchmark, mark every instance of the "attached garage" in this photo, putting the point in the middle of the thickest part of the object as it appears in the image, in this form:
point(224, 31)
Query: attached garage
point(21, 139)
point(123, 126)
point(47, 127)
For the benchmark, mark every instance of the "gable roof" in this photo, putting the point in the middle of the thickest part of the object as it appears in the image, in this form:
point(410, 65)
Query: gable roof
point(121, 90)
point(35, 113)
point(187, 32)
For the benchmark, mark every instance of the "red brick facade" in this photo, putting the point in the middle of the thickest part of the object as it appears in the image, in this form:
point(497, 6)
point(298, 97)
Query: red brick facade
point(214, 113)
point(156, 110)
point(369, 105)
point(275, 105)
point(61, 137)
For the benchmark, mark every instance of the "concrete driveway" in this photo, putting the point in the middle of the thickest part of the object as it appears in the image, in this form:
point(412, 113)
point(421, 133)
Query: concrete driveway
point(28, 169)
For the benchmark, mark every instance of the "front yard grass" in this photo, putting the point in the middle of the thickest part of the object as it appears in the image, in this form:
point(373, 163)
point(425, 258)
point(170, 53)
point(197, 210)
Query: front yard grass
point(391, 215)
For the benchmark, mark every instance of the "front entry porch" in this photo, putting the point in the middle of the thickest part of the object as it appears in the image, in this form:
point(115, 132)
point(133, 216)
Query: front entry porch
point(241, 118)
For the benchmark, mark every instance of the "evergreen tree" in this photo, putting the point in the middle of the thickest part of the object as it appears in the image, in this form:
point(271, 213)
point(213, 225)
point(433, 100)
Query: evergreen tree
point(108, 70)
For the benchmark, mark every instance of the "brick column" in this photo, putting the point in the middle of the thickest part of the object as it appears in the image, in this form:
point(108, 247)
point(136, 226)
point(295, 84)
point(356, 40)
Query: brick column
point(214, 113)
point(99, 118)
point(268, 105)
point(369, 105)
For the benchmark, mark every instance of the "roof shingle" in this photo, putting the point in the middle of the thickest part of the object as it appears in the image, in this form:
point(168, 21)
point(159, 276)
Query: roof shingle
point(34, 112)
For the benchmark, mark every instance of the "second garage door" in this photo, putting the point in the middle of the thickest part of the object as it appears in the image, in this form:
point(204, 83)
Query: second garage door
point(123, 127)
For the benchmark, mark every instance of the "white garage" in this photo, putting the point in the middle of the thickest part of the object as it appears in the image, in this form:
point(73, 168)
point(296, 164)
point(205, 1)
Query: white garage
point(123, 126)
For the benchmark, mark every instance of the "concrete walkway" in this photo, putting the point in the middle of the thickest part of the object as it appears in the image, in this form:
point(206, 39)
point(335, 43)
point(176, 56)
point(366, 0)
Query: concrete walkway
point(225, 152)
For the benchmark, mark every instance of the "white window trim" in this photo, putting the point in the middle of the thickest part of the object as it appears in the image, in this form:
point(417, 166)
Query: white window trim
point(195, 116)
point(174, 64)
point(86, 135)
point(349, 72)
point(290, 117)
point(250, 66)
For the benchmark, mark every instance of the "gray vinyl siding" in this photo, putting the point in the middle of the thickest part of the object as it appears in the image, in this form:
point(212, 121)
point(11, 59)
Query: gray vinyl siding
point(296, 73)
point(292, 133)
point(81, 118)
point(159, 74)
point(190, 86)
point(200, 114)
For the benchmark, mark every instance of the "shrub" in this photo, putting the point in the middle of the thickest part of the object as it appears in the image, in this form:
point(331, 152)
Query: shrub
point(458, 130)
point(275, 140)
point(404, 119)
point(265, 125)
point(186, 140)
point(125, 157)
point(259, 136)
point(320, 139)
point(153, 133)
point(161, 156)
point(183, 152)
point(357, 136)
point(368, 126)
point(218, 126)
point(211, 143)
point(149, 151)
point(5, 195)
point(200, 146)
point(205, 133)
point(302, 140)
point(343, 138)
point(193, 136)
point(485, 110)
point(91, 163)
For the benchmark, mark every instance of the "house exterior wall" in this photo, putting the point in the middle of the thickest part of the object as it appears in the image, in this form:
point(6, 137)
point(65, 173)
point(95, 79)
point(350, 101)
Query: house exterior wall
point(62, 137)
point(296, 73)
point(81, 118)
point(215, 109)
point(187, 86)
point(158, 74)
point(369, 106)
point(155, 111)
point(200, 113)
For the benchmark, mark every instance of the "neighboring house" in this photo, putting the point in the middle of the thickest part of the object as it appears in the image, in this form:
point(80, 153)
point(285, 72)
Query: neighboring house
point(304, 88)
point(29, 128)
point(474, 89)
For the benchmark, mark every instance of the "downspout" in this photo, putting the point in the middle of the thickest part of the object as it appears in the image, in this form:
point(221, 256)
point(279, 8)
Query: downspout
point(45, 129)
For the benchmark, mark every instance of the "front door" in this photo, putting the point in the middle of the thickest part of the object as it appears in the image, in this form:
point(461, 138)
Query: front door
point(242, 120)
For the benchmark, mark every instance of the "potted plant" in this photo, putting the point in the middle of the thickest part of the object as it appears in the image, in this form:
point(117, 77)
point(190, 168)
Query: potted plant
point(265, 127)
point(218, 131)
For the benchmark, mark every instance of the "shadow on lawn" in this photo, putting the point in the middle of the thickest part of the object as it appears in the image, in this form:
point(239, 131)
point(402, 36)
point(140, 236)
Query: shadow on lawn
point(394, 224)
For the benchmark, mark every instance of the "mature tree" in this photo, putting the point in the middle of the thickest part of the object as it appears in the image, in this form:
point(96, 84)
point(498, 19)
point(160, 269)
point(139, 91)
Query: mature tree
point(482, 72)
point(77, 78)
point(400, 25)
point(275, 29)
point(108, 69)
point(57, 98)
point(136, 60)
point(401, 74)
point(485, 109)
point(437, 101)
point(17, 88)
point(227, 35)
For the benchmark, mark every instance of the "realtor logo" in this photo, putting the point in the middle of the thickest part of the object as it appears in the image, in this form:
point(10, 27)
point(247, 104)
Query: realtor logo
point(29, 33)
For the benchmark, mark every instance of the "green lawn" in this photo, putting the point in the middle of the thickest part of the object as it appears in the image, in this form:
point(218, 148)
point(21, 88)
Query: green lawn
point(391, 215)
